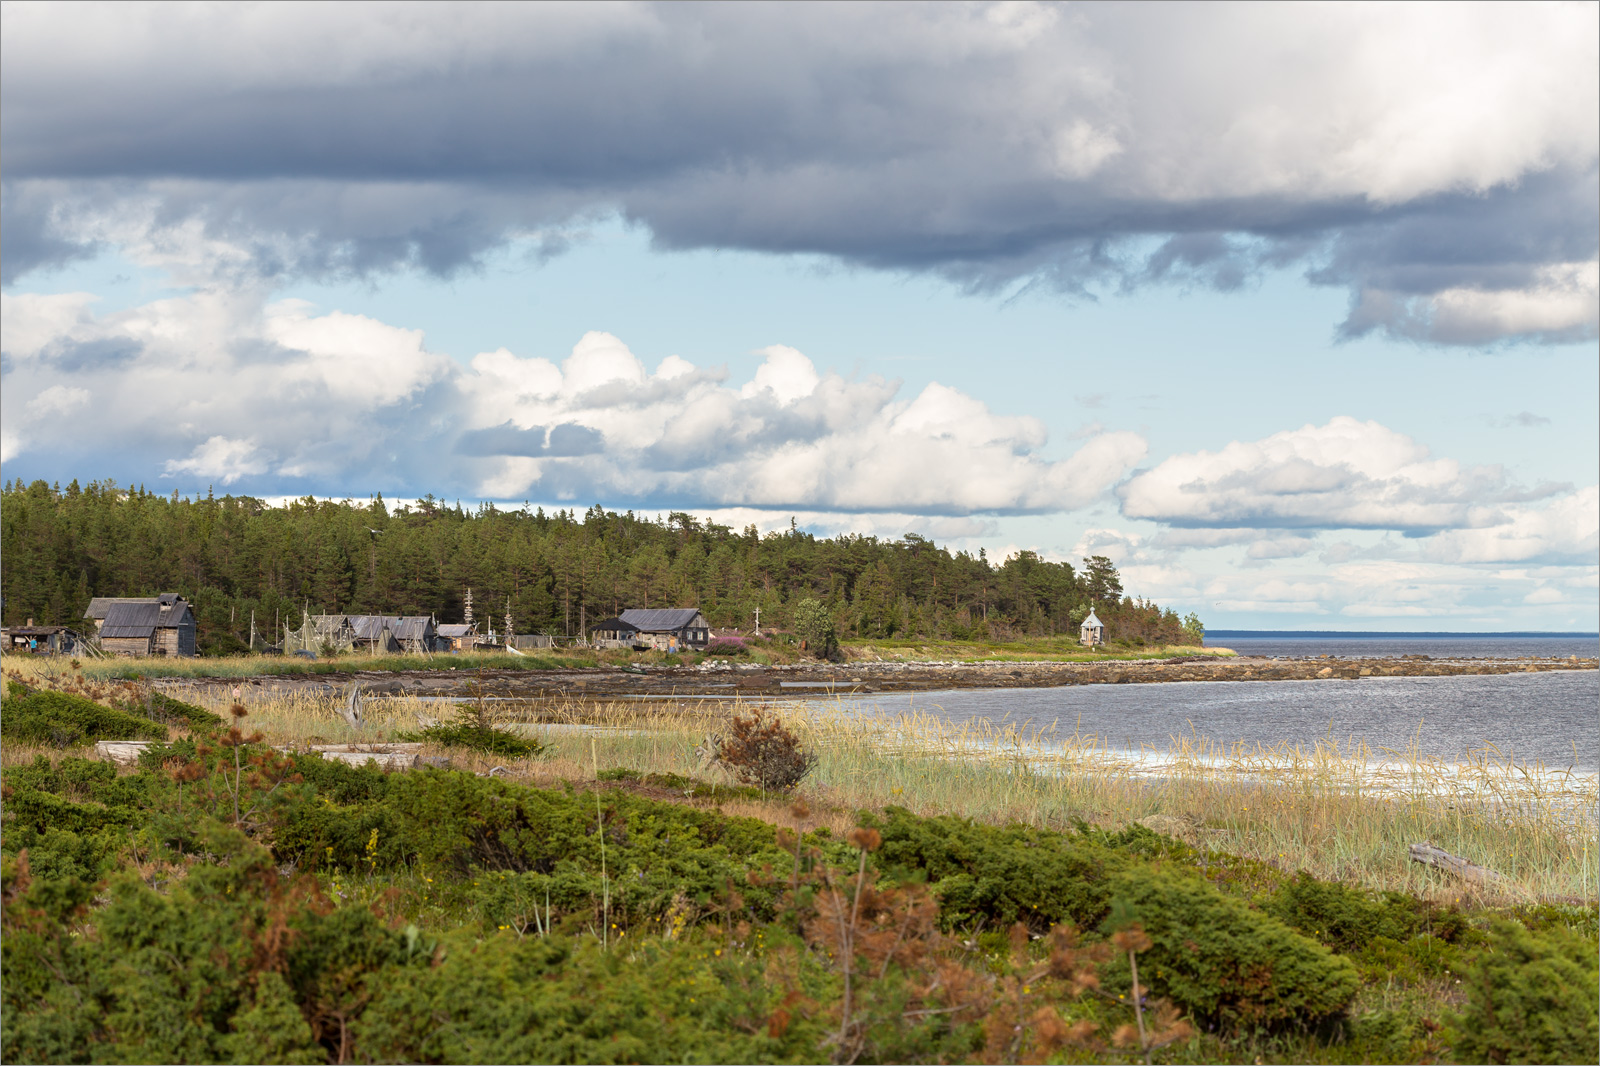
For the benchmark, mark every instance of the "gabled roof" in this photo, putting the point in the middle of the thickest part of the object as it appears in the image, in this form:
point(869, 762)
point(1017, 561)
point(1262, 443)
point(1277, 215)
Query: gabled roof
point(613, 625)
point(101, 604)
point(410, 627)
point(368, 626)
point(660, 621)
point(140, 618)
point(457, 630)
point(1093, 621)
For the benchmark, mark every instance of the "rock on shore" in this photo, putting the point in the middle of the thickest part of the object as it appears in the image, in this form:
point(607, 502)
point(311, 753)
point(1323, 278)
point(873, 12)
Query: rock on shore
point(733, 678)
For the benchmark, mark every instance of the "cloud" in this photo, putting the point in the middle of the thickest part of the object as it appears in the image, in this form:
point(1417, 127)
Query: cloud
point(1565, 530)
point(790, 437)
point(1347, 474)
point(275, 397)
point(1522, 419)
point(220, 459)
point(1437, 162)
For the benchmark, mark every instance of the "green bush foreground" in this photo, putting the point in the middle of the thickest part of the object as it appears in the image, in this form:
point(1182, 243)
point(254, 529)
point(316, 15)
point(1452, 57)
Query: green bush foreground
point(296, 910)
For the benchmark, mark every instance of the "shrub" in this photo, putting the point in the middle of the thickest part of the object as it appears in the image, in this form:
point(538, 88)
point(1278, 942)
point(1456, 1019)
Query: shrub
point(1344, 918)
point(63, 721)
point(727, 646)
point(1224, 962)
point(1531, 998)
point(999, 875)
point(472, 729)
point(164, 708)
point(760, 751)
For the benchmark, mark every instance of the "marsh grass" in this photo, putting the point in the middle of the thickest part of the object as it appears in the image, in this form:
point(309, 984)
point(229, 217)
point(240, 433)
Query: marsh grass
point(1343, 812)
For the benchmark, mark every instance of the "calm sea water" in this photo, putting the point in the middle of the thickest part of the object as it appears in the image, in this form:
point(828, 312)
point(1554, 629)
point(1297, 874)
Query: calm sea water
point(1551, 718)
point(1437, 645)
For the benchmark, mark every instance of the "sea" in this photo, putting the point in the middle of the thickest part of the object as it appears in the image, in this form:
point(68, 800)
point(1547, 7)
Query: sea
point(1549, 718)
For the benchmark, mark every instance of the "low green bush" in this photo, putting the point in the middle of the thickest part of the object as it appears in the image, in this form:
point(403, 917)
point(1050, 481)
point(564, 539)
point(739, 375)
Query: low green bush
point(1344, 918)
point(1531, 998)
point(1217, 958)
point(999, 875)
point(164, 708)
point(61, 720)
point(473, 731)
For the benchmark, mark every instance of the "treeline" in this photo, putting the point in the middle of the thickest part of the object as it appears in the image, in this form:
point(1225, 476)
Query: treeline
point(236, 556)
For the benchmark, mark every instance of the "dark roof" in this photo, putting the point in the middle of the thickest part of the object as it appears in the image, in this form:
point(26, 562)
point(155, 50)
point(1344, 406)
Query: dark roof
point(667, 620)
point(410, 627)
point(613, 625)
point(140, 618)
point(36, 631)
point(457, 630)
point(101, 604)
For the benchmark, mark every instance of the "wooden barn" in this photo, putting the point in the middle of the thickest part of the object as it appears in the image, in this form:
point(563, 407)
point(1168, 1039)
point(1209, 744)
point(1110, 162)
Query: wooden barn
point(668, 629)
point(161, 626)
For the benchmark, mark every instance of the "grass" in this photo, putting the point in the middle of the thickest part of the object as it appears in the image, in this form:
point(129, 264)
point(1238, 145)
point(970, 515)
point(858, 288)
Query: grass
point(1341, 813)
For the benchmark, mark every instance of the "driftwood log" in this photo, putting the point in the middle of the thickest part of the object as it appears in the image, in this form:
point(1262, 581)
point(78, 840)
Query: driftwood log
point(1467, 870)
point(387, 756)
point(126, 752)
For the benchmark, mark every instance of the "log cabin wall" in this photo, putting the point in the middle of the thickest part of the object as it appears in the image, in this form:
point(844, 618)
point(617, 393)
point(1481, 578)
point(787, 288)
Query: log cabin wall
point(136, 646)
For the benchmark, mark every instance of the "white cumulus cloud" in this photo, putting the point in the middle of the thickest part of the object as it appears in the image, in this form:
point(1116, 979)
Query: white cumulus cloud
point(1346, 474)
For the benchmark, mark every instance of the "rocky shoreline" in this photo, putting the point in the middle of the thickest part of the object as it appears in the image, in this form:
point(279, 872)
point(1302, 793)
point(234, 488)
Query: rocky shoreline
point(715, 679)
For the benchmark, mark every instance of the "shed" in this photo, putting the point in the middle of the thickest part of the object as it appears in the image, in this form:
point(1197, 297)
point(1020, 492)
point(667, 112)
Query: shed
point(380, 633)
point(371, 633)
point(669, 629)
point(161, 626)
point(456, 636)
point(41, 640)
point(1093, 631)
point(414, 632)
point(614, 633)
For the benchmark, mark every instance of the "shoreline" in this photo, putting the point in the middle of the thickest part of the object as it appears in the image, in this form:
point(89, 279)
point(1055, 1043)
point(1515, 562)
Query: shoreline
point(763, 681)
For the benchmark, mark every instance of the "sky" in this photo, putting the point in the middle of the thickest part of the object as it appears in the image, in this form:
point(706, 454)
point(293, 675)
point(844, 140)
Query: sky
point(1290, 310)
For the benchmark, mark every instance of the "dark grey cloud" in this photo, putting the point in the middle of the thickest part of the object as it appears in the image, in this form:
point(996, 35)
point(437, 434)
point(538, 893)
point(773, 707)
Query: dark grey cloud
point(565, 441)
point(1076, 147)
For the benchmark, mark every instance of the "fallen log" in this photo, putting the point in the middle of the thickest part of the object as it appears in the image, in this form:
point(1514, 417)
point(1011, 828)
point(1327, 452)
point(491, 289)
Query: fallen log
point(126, 752)
point(1428, 855)
point(385, 760)
point(412, 746)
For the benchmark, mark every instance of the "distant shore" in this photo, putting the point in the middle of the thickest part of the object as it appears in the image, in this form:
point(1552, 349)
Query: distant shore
point(797, 679)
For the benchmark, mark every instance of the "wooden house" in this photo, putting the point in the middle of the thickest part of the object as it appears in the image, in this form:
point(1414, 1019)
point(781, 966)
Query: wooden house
point(669, 629)
point(161, 626)
point(456, 637)
point(1092, 632)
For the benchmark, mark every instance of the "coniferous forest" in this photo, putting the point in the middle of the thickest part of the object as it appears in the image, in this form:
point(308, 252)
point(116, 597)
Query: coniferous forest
point(234, 556)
